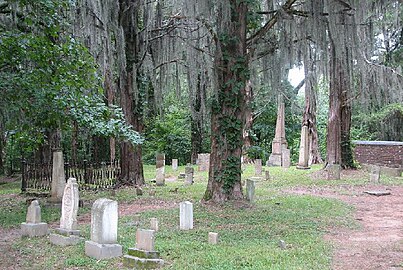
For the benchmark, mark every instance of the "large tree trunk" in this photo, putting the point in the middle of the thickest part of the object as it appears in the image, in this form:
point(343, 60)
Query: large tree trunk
point(197, 119)
point(131, 156)
point(247, 141)
point(2, 144)
point(227, 117)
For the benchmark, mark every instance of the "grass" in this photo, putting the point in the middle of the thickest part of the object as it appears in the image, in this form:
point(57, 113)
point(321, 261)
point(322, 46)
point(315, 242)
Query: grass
point(249, 234)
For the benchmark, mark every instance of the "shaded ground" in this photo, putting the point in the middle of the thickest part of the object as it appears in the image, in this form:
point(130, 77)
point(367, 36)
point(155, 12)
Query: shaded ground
point(378, 243)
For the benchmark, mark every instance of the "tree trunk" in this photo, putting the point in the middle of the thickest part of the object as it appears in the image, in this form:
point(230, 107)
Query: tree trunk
point(110, 94)
point(247, 141)
point(228, 106)
point(197, 119)
point(2, 144)
point(74, 143)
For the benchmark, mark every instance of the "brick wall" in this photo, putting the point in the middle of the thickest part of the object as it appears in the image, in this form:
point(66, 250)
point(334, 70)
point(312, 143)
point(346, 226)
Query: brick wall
point(382, 153)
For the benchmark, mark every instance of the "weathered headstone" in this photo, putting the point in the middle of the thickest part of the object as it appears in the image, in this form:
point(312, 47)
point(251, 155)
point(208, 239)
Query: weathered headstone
point(186, 216)
point(279, 142)
point(68, 234)
point(250, 190)
point(213, 238)
point(58, 178)
point(258, 167)
point(104, 230)
point(286, 158)
point(33, 225)
point(267, 175)
point(154, 224)
point(160, 166)
point(174, 164)
point(143, 256)
point(374, 174)
point(333, 171)
point(203, 160)
point(189, 175)
point(303, 159)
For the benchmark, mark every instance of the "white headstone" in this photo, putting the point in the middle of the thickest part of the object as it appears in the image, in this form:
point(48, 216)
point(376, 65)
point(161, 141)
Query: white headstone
point(34, 212)
point(375, 174)
point(258, 167)
point(68, 221)
point(186, 216)
point(174, 164)
point(303, 159)
point(104, 221)
point(145, 240)
point(154, 224)
point(213, 238)
point(160, 170)
point(286, 158)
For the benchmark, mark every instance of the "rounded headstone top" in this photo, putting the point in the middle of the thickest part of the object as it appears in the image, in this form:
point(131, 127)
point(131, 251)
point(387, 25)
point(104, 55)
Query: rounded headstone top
point(72, 180)
point(35, 203)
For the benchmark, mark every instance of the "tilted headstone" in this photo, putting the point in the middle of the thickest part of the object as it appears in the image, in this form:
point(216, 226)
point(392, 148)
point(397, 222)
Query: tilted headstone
point(186, 216)
point(333, 171)
point(258, 167)
point(154, 224)
point(203, 160)
point(279, 142)
point(160, 167)
point(250, 190)
point(189, 175)
point(58, 178)
point(104, 229)
point(68, 234)
point(213, 238)
point(174, 164)
point(303, 159)
point(33, 225)
point(286, 158)
point(143, 256)
point(375, 174)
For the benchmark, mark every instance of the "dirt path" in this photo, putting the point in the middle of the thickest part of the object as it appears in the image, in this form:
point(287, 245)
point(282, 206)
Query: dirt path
point(378, 243)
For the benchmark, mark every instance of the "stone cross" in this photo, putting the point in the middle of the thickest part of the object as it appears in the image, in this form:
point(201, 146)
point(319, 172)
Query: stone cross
point(145, 240)
point(34, 212)
point(174, 164)
point(303, 159)
point(279, 142)
point(203, 160)
point(213, 238)
point(189, 175)
point(250, 190)
point(58, 177)
point(160, 166)
point(258, 167)
point(104, 221)
point(186, 215)
point(68, 221)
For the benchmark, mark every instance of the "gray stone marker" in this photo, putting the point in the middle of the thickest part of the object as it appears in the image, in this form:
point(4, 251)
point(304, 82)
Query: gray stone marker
point(203, 160)
point(378, 192)
point(68, 234)
point(33, 225)
point(174, 164)
point(186, 215)
point(154, 224)
point(375, 174)
point(392, 172)
point(160, 167)
point(333, 171)
point(258, 167)
point(303, 159)
point(189, 175)
point(213, 238)
point(286, 158)
point(250, 190)
point(58, 178)
point(104, 230)
point(143, 256)
point(267, 175)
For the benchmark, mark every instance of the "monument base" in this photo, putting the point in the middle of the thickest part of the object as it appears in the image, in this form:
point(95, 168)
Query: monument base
point(102, 251)
point(61, 240)
point(299, 167)
point(142, 259)
point(34, 229)
point(274, 160)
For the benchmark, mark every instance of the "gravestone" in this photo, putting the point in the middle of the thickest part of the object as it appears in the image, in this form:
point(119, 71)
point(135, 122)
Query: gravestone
point(286, 158)
point(143, 256)
point(250, 190)
point(213, 238)
point(174, 164)
point(154, 224)
point(333, 171)
point(303, 158)
point(258, 167)
point(374, 174)
point(203, 160)
point(267, 175)
point(68, 234)
point(279, 142)
point(33, 225)
point(104, 230)
point(189, 175)
point(58, 178)
point(186, 216)
point(160, 166)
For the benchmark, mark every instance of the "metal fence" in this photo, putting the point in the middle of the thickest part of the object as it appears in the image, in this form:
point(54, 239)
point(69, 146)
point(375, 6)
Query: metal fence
point(90, 176)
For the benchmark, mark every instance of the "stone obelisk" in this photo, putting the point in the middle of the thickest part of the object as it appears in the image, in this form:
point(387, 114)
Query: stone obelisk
point(279, 142)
